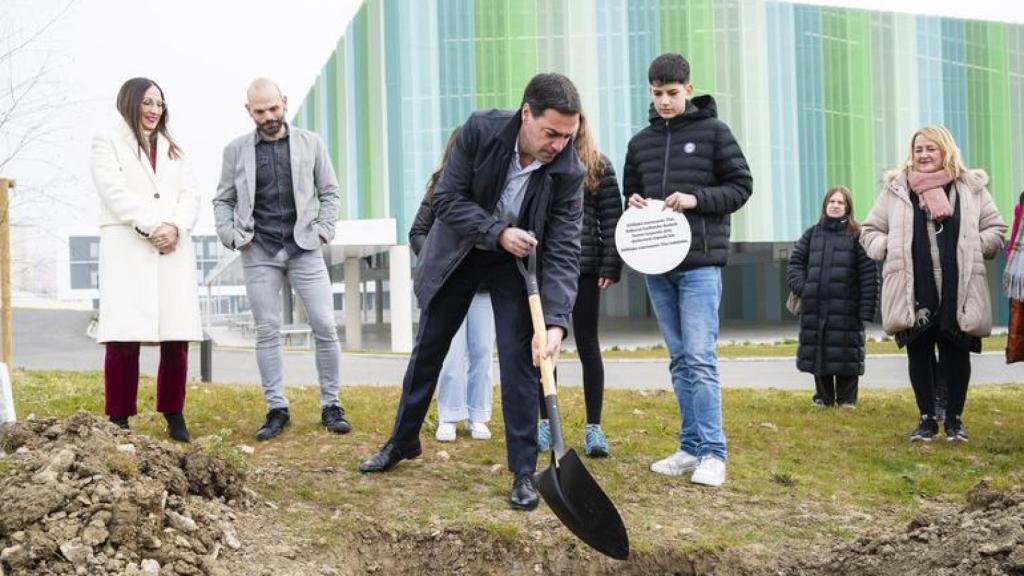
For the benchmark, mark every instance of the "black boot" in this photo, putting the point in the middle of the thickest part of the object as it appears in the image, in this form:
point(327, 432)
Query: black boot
point(120, 421)
point(176, 428)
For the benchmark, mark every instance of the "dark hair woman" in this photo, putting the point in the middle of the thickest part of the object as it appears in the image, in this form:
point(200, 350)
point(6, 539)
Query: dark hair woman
point(838, 286)
point(600, 267)
point(148, 290)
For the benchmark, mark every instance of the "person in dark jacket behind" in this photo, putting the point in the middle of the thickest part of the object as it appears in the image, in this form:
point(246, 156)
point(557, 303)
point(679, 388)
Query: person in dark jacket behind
point(838, 286)
point(690, 159)
point(464, 384)
point(600, 267)
point(512, 172)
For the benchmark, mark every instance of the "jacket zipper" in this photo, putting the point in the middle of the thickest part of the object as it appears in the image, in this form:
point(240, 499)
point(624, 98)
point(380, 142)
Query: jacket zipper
point(664, 172)
point(704, 227)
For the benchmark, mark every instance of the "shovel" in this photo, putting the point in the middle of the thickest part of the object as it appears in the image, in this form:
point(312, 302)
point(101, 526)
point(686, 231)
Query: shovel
point(570, 491)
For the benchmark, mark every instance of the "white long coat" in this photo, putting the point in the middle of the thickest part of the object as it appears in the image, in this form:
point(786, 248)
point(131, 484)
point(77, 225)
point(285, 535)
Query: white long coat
point(145, 296)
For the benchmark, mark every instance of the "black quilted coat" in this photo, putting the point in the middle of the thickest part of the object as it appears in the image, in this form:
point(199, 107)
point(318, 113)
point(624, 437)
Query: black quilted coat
point(838, 283)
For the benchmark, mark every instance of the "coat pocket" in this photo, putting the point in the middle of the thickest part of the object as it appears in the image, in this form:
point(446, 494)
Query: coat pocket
point(897, 310)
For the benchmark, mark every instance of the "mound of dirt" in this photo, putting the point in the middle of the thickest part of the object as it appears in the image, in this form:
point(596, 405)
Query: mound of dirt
point(986, 536)
point(81, 496)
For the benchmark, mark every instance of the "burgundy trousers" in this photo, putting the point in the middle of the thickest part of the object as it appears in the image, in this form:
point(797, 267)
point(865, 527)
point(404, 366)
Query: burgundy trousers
point(121, 378)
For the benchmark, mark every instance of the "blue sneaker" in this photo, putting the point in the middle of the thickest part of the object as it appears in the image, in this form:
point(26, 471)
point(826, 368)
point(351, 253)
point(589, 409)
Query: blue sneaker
point(594, 443)
point(543, 436)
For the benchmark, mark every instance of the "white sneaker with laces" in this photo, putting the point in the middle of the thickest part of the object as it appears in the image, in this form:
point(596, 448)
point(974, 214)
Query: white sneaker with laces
point(478, 430)
point(675, 465)
point(445, 432)
point(710, 472)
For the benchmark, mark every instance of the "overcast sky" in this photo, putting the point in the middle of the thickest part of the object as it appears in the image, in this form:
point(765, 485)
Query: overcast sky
point(204, 53)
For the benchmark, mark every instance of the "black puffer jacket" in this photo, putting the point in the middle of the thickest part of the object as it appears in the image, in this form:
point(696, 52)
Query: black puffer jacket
point(601, 211)
point(838, 284)
point(694, 153)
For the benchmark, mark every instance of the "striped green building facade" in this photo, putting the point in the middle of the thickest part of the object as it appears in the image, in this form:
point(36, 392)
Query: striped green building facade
point(816, 96)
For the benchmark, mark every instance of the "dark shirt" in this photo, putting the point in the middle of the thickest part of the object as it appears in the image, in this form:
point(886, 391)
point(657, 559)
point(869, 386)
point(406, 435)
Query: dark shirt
point(274, 210)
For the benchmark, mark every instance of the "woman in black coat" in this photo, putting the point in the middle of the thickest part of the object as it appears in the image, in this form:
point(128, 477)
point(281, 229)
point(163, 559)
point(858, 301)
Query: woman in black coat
point(838, 285)
point(600, 268)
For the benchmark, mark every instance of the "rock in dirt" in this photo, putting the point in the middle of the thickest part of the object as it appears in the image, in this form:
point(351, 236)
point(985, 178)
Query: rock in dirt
point(83, 497)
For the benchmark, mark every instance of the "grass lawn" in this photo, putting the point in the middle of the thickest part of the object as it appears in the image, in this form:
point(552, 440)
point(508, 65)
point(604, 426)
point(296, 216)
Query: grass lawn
point(798, 476)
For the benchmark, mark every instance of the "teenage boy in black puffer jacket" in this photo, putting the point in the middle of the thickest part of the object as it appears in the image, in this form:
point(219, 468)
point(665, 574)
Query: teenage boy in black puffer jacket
point(690, 159)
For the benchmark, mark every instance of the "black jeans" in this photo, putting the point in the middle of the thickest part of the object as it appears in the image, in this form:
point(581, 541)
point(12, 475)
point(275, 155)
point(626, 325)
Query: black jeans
point(954, 365)
point(836, 389)
point(514, 331)
point(584, 330)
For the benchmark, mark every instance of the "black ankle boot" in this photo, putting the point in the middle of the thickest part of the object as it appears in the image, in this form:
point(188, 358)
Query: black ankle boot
point(120, 421)
point(176, 428)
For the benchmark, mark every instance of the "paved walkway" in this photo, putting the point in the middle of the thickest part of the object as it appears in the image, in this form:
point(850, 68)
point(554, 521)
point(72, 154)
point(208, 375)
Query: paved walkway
point(55, 339)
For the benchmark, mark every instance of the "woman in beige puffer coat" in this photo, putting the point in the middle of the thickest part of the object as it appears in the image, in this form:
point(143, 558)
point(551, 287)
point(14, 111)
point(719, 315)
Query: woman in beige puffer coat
point(932, 226)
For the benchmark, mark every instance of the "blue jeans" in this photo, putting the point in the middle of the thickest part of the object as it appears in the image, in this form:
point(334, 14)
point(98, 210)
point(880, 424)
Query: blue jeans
point(464, 385)
point(686, 304)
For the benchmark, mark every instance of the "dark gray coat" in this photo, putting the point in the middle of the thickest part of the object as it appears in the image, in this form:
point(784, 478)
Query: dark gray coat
point(464, 202)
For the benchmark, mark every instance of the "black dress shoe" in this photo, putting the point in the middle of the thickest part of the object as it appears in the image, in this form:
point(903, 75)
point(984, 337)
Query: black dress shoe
point(176, 428)
point(524, 493)
point(277, 419)
point(389, 455)
point(120, 421)
point(333, 418)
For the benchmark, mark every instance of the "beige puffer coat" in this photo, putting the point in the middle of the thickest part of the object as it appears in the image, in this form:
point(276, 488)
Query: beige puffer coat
point(887, 235)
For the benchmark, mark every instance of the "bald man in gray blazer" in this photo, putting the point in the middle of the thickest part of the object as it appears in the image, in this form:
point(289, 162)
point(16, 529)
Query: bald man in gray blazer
point(277, 202)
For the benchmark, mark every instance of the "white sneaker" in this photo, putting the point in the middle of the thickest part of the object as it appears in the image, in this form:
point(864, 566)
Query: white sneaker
point(677, 464)
point(445, 432)
point(710, 472)
point(478, 430)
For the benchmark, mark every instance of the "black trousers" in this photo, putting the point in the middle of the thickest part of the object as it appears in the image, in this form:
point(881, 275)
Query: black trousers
point(584, 331)
point(954, 365)
point(836, 389)
point(514, 331)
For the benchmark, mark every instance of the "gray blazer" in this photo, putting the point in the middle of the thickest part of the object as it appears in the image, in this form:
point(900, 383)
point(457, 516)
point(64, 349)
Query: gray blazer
point(313, 183)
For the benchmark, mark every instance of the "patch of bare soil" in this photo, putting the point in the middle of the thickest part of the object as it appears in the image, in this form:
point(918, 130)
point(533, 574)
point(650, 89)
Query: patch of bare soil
point(81, 496)
point(985, 537)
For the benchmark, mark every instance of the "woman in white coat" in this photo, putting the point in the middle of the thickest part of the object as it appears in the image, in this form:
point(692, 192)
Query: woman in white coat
point(148, 290)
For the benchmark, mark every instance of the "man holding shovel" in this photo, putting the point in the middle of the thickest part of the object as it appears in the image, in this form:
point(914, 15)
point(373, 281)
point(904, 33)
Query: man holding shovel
point(512, 172)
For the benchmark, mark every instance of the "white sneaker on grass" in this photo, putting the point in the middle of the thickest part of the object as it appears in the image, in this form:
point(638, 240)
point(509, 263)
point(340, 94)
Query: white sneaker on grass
point(478, 430)
point(677, 464)
point(445, 432)
point(710, 472)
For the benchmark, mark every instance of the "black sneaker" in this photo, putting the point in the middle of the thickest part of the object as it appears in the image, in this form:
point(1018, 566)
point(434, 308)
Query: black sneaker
point(955, 431)
point(277, 419)
point(333, 418)
point(120, 421)
point(926, 430)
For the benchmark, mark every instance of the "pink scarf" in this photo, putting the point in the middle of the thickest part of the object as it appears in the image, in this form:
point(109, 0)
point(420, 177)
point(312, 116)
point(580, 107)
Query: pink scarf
point(929, 189)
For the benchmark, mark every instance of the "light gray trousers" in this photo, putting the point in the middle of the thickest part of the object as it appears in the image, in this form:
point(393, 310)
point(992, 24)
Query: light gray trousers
point(307, 273)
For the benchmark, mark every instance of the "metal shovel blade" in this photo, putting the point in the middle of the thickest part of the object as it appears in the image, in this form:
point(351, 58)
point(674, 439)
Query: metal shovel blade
point(574, 496)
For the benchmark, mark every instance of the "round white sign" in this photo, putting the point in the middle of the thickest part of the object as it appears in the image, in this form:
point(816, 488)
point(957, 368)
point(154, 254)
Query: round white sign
point(652, 240)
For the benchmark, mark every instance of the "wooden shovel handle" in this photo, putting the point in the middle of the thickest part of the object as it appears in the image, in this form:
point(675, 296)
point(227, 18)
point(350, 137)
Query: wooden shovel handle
point(540, 331)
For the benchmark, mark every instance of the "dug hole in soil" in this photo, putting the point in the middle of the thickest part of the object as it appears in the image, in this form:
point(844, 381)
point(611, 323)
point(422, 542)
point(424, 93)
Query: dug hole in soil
point(80, 496)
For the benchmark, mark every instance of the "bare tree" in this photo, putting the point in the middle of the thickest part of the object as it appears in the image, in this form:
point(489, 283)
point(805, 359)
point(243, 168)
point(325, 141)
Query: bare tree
point(31, 103)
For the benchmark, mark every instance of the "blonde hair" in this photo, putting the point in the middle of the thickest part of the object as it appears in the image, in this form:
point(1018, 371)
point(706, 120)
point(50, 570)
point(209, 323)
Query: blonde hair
point(587, 150)
point(951, 159)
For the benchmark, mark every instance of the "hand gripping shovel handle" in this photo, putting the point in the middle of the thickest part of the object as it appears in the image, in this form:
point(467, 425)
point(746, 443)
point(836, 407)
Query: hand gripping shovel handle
point(547, 371)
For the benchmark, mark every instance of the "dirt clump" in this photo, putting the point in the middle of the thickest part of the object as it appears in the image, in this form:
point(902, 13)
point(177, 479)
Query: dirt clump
point(81, 496)
point(985, 536)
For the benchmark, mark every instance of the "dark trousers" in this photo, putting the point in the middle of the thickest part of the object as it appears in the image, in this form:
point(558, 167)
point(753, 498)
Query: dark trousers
point(836, 389)
point(954, 365)
point(584, 330)
point(514, 331)
point(121, 378)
